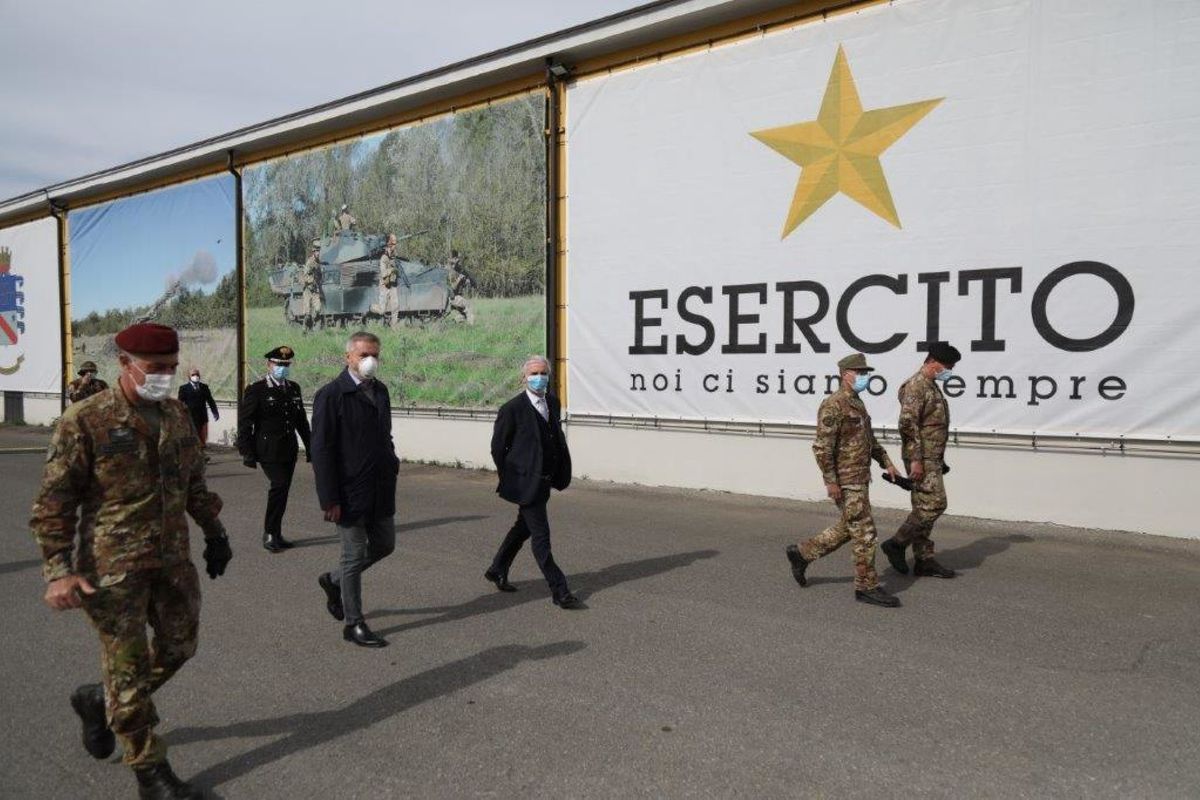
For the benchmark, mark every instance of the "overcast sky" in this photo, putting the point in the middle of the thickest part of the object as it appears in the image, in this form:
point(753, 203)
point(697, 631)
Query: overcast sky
point(86, 85)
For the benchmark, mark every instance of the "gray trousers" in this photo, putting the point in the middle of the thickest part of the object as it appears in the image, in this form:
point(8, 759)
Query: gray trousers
point(363, 544)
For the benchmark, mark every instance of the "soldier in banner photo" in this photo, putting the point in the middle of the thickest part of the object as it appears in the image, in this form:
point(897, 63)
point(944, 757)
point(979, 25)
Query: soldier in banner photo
point(460, 284)
point(270, 417)
point(86, 385)
point(346, 220)
point(310, 284)
point(388, 306)
point(122, 470)
point(924, 429)
point(844, 447)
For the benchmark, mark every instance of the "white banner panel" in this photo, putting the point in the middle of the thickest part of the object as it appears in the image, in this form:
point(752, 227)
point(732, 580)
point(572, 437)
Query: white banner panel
point(30, 321)
point(1018, 178)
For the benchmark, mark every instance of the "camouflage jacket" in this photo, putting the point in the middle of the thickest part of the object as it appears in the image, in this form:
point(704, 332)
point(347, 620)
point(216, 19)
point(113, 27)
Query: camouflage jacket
point(310, 273)
point(78, 390)
point(924, 420)
point(387, 271)
point(122, 492)
point(845, 443)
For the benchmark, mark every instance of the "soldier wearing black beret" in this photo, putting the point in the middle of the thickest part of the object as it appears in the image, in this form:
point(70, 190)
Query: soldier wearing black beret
point(924, 430)
point(270, 416)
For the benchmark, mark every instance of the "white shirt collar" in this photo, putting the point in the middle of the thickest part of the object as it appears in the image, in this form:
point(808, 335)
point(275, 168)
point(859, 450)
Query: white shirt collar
point(535, 399)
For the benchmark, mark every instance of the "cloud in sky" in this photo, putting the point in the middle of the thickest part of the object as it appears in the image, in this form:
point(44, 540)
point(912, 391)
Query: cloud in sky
point(89, 86)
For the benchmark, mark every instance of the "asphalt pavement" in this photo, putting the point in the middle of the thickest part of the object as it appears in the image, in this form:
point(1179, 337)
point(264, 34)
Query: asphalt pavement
point(1060, 663)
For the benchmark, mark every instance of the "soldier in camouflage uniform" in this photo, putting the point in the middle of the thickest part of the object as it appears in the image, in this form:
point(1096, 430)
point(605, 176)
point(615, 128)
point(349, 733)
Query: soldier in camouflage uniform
point(310, 281)
point(121, 471)
point(389, 277)
point(844, 447)
point(460, 282)
point(924, 429)
point(346, 220)
point(86, 385)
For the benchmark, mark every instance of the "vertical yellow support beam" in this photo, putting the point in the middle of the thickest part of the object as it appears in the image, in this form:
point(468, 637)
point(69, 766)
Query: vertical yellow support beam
point(64, 302)
point(239, 266)
point(559, 234)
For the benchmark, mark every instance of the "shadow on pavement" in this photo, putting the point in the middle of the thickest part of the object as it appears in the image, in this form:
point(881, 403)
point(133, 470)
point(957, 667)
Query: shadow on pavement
point(585, 584)
point(17, 566)
point(961, 559)
point(315, 541)
point(307, 730)
point(970, 556)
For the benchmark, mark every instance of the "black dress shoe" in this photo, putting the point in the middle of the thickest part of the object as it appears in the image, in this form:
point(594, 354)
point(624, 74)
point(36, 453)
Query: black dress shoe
point(895, 555)
point(568, 601)
point(284, 543)
point(88, 702)
point(333, 596)
point(500, 580)
point(271, 544)
point(930, 568)
point(362, 636)
point(799, 564)
point(159, 782)
point(878, 596)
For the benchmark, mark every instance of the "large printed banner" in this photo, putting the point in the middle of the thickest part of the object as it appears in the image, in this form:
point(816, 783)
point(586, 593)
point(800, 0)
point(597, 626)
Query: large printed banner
point(30, 322)
point(166, 256)
point(458, 298)
point(1017, 178)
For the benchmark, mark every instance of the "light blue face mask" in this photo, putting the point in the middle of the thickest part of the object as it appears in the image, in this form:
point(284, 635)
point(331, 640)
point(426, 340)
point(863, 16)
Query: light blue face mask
point(538, 383)
point(280, 371)
point(944, 375)
point(861, 381)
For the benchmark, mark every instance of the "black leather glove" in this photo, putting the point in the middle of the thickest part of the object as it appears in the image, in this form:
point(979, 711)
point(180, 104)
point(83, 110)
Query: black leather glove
point(904, 483)
point(249, 462)
point(945, 467)
point(217, 555)
point(307, 455)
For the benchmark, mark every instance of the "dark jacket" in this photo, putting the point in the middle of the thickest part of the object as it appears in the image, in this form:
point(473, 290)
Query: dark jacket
point(353, 457)
point(521, 442)
point(195, 397)
point(269, 417)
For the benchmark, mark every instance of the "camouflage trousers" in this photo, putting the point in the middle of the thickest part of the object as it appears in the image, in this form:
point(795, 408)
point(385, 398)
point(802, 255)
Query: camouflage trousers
point(928, 503)
point(168, 600)
point(857, 526)
point(460, 304)
point(310, 303)
point(389, 303)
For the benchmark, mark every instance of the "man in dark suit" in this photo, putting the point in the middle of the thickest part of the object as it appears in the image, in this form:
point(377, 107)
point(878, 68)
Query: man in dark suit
point(355, 465)
point(195, 395)
point(531, 456)
point(269, 417)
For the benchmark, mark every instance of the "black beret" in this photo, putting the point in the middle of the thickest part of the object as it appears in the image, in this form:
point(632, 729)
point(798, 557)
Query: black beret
point(945, 353)
point(281, 353)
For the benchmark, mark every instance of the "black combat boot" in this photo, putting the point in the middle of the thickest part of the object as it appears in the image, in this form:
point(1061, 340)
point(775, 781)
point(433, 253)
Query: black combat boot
point(929, 568)
point(895, 555)
point(878, 596)
point(88, 702)
point(799, 564)
point(159, 782)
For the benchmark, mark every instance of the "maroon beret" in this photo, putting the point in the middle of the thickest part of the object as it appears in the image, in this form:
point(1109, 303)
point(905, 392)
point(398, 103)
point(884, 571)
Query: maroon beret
point(148, 339)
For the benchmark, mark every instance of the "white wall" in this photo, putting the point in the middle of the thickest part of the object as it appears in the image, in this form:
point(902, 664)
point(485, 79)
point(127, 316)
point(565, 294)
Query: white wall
point(1114, 492)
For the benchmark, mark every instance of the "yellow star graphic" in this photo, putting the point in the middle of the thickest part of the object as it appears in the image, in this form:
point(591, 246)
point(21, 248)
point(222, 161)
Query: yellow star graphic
point(839, 151)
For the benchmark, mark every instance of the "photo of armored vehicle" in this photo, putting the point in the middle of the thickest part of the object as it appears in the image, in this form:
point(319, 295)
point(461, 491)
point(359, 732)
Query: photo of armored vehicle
point(349, 283)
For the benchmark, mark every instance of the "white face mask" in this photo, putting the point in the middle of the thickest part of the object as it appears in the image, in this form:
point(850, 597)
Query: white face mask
point(156, 388)
point(368, 366)
point(194, 379)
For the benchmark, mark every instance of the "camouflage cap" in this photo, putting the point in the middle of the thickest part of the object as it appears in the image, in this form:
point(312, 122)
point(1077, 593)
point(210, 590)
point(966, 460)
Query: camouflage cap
point(281, 353)
point(87, 366)
point(855, 361)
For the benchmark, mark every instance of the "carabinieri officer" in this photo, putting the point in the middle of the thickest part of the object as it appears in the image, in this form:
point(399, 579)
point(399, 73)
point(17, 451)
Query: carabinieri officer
point(269, 417)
